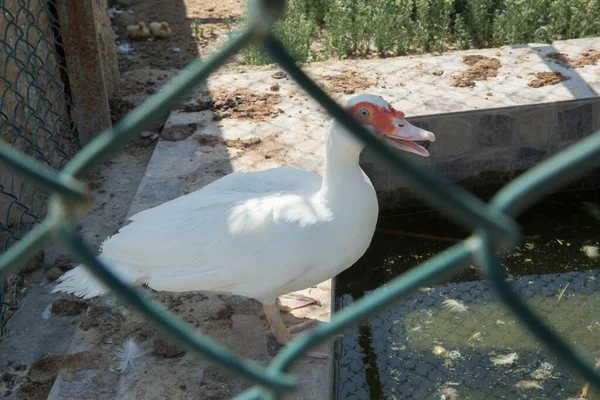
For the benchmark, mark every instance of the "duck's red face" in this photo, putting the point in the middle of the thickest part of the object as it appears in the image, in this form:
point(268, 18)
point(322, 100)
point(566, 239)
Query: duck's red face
point(390, 124)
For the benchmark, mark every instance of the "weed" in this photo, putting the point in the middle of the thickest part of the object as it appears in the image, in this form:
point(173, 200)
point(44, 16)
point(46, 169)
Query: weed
point(461, 33)
point(346, 28)
point(295, 32)
point(197, 30)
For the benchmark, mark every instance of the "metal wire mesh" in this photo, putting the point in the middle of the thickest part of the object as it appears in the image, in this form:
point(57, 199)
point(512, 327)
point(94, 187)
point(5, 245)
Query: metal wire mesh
point(492, 223)
point(34, 117)
point(34, 112)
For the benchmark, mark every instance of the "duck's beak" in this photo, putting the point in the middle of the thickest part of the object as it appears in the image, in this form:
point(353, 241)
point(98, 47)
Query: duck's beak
point(404, 135)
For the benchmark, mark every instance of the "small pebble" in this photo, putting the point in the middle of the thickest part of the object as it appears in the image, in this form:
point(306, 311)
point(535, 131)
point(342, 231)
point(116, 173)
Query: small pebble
point(279, 75)
point(53, 274)
point(167, 348)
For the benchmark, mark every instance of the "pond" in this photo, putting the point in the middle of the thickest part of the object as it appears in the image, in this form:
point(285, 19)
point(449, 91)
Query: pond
point(455, 339)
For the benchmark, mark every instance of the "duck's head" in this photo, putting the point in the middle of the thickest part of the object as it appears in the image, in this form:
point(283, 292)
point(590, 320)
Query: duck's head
point(379, 117)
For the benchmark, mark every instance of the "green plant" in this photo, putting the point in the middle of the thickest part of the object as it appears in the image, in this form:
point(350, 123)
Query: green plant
point(439, 22)
point(480, 20)
point(338, 24)
point(295, 31)
point(560, 17)
point(461, 33)
point(519, 20)
point(197, 30)
point(405, 25)
point(315, 10)
point(585, 18)
point(395, 27)
point(385, 25)
point(422, 33)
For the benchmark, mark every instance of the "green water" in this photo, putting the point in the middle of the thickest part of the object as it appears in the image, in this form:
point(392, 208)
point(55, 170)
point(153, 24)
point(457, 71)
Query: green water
point(560, 253)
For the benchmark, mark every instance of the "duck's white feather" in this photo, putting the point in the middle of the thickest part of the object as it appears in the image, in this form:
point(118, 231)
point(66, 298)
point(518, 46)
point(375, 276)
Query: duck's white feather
point(234, 235)
point(128, 353)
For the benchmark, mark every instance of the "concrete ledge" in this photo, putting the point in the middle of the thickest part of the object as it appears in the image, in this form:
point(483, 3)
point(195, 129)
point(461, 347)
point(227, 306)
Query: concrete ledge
point(501, 125)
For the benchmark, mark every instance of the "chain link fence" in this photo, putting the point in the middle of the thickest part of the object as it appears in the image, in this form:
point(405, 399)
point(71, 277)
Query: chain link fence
point(34, 115)
point(492, 223)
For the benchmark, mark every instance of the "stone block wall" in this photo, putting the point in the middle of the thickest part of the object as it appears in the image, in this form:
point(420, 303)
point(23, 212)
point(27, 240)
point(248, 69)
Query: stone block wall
point(487, 148)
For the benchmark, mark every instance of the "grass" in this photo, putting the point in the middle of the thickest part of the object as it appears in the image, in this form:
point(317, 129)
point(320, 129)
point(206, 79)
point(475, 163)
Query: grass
point(316, 30)
point(295, 31)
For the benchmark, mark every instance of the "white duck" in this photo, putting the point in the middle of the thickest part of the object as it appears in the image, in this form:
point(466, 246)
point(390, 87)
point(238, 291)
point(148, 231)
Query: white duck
point(260, 234)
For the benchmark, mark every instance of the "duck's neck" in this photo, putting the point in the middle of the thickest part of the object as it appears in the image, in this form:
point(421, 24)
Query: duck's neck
point(343, 175)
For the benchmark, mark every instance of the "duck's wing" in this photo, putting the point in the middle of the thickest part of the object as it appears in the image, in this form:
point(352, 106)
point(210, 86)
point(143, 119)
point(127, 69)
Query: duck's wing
point(222, 237)
point(287, 178)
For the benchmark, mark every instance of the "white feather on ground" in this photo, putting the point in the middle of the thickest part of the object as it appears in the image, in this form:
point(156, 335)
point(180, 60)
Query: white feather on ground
point(505, 359)
point(454, 305)
point(47, 312)
point(592, 252)
point(128, 353)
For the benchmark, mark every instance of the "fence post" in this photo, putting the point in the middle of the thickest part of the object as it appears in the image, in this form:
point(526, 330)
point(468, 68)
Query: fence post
point(90, 111)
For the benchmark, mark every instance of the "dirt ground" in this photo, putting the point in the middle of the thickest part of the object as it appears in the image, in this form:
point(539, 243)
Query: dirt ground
point(211, 17)
point(590, 57)
point(198, 28)
point(242, 103)
point(546, 78)
point(479, 69)
point(347, 82)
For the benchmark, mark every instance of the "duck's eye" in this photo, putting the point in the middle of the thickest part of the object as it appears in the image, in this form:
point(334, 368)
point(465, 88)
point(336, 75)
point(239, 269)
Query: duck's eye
point(364, 113)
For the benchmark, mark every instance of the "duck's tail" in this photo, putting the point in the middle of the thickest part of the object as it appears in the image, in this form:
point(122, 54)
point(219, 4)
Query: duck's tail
point(82, 283)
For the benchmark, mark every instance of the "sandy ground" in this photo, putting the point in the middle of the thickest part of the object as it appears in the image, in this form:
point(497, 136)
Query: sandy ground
point(198, 28)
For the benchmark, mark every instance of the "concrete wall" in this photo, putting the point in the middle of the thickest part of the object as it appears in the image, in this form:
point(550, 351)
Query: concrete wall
point(485, 149)
point(107, 47)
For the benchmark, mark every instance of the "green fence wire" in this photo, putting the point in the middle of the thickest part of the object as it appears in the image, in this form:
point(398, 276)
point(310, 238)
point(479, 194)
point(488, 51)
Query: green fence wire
point(493, 223)
point(34, 114)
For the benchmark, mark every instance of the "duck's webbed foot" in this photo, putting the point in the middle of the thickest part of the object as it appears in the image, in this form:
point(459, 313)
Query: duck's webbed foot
point(295, 301)
point(284, 335)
